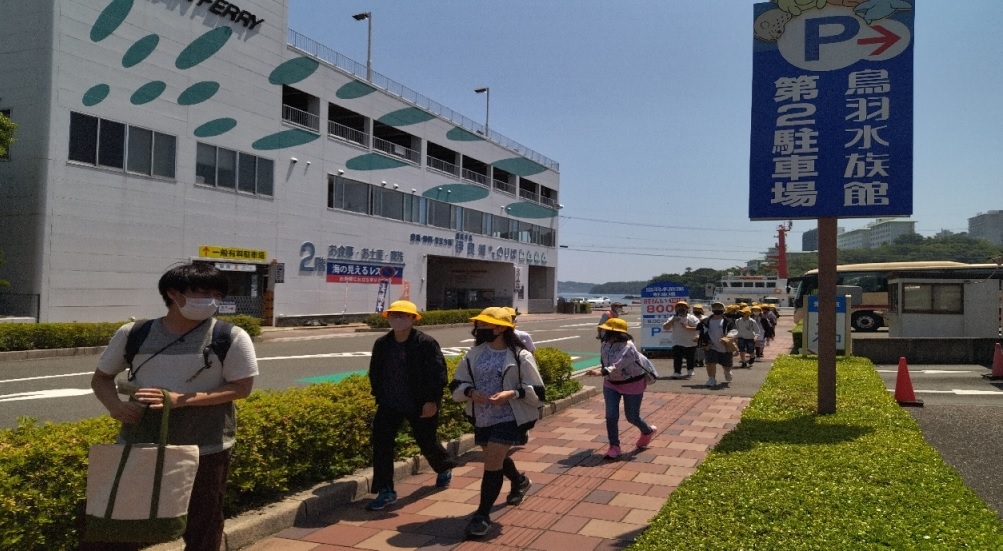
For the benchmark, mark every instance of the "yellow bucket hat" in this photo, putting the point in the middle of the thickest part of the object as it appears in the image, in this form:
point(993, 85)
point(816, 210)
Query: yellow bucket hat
point(405, 306)
point(495, 315)
point(614, 324)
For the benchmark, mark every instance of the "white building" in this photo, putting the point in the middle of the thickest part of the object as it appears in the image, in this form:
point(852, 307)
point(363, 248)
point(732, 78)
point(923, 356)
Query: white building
point(875, 234)
point(988, 226)
point(153, 133)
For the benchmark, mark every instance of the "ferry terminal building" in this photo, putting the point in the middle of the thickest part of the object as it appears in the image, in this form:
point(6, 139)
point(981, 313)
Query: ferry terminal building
point(153, 132)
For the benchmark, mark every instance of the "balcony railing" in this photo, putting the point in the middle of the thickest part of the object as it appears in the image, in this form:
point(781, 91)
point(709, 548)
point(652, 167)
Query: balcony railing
point(346, 133)
point(300, 118)
point(396, 150)
point(526, 194)
point(504, 187)
point(544, 200)
point(319, 51)
point(468, 174)
point(441, 166)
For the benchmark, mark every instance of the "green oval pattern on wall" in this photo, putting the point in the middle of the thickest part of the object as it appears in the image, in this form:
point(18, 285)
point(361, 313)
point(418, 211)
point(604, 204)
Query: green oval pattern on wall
point(406, 117)
point(198, 92)
point(203, 47)
point(530, 210)
point(215, 127)
point(355, 89)
point(458, 134)
point(148, 92)
point(284, 139)
point(293, 71)
point(140, 50)
point(110, 19)
point(456, 193)
point(96, 94)
point(373, 161)
point(520, 166)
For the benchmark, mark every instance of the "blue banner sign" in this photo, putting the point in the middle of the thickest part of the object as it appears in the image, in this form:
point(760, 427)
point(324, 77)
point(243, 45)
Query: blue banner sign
point(657, 304)
point(832, 110)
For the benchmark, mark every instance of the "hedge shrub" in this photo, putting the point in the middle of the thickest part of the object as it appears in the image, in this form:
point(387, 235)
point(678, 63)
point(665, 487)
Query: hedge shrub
point(431, 317)
point(788, 478)
point(43, 336)
point(286, 441)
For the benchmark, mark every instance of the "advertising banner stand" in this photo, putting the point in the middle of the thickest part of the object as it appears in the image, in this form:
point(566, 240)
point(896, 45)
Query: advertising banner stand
point(657, 304)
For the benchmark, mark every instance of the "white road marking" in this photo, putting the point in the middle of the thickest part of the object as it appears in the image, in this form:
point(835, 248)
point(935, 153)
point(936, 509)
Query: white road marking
point(928, 371)
point(312, 356)
point(317, 337)
point(40, 394)
point(46, 377)
point(958, 392)
point(558, 339)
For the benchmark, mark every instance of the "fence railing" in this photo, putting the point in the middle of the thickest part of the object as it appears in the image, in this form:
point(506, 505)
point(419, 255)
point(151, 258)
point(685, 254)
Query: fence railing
point(347, 133)
point(397, 150)
point(504, 187)
point(322, 52)
point(441, 166)
point(300, 117)
point(468, 174)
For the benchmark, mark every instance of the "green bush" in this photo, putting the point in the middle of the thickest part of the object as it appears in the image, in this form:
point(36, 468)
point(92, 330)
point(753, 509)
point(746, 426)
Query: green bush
point(43, 336)
point(787, 478)
point(286, 441)
point(796, 335)
point(431, 317)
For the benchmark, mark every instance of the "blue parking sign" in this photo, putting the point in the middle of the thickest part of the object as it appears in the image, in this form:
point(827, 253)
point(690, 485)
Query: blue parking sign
point(832, 110)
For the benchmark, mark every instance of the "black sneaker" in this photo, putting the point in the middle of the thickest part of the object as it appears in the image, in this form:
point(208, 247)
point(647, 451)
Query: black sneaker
point(519, 492)
point(478, 526)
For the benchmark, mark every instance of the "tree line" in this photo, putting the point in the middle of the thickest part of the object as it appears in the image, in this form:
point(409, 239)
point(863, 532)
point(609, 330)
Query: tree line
point(908, 247)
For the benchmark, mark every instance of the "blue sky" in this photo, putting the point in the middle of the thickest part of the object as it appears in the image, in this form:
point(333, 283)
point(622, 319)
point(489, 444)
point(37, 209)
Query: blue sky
point(646, 106)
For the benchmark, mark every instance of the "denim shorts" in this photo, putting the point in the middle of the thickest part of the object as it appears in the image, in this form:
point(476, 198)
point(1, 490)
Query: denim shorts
point(507, 433)
point(747, 345)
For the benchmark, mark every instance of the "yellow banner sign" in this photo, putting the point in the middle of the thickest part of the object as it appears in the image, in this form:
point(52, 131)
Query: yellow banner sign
point(232, 253)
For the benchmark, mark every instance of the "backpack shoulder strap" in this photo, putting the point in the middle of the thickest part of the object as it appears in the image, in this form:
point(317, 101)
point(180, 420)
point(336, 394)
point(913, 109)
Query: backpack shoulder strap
point(221, 339)
point(140, 330)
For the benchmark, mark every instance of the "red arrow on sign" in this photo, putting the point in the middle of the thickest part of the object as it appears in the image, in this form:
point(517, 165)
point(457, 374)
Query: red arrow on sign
point(887, 39)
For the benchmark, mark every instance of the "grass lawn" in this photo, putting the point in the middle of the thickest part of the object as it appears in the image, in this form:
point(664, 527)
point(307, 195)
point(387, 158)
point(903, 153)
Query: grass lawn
point(786, 478)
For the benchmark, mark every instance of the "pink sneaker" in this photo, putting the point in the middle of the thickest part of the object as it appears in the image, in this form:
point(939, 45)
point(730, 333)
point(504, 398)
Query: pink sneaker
point(645, 439)
point(613, 452)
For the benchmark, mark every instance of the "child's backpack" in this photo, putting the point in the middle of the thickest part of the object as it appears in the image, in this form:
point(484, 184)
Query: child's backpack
point(650, 372)
point(219, 345)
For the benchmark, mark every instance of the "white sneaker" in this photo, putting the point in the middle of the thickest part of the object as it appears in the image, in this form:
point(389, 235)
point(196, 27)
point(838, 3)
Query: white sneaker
point(727, 376)
point(689, 373)
point(676, 376)
point(712, 382)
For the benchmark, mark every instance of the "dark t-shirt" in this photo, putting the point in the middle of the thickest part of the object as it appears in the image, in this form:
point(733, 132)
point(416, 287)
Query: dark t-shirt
point(397, 388)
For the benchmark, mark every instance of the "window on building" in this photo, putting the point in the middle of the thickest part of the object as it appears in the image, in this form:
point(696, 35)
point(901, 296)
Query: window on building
point(473, 221)
point(348, 195)
point(111, 144)
point(227, 169)
point(440, 214)
point(933, 298)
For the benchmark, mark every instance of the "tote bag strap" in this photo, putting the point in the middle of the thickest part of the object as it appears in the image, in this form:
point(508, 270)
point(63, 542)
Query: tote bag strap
point(158, 474)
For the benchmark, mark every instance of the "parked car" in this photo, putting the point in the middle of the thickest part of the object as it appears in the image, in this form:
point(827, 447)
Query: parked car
point(601, 302)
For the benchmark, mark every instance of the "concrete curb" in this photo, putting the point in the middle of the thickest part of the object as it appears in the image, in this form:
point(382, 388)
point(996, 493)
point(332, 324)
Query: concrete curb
point(310, 505)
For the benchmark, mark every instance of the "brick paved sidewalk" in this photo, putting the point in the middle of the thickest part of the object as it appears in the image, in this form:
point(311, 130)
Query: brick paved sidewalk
point(579, 501)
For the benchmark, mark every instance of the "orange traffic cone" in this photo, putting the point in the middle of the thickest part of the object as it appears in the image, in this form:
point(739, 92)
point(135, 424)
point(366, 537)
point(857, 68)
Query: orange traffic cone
point(997, 365)
point(903, 387)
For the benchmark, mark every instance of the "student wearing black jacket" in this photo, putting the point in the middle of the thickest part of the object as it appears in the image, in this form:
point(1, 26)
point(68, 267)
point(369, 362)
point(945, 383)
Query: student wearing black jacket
point(407, 374)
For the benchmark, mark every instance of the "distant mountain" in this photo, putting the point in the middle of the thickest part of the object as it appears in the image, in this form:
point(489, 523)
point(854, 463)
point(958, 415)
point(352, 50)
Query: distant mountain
point(570, 287)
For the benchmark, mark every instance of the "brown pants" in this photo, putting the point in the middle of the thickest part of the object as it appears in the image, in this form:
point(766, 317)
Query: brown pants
point(204, 531)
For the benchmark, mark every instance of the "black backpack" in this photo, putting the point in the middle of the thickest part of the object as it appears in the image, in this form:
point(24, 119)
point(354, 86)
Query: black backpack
point(219, 345)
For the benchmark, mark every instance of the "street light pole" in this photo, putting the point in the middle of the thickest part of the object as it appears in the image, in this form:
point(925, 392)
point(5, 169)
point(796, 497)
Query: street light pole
point(368, 16)
point(487, 106)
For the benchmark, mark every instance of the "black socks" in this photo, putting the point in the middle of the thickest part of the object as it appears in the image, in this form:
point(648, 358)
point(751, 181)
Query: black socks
point(491, 486)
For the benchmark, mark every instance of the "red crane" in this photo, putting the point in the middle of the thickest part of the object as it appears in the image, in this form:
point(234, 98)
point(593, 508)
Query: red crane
point(781, 256)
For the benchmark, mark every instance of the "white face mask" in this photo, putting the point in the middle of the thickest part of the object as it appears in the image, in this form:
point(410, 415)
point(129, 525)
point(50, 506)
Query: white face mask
point(400, 324)
point(199, 309)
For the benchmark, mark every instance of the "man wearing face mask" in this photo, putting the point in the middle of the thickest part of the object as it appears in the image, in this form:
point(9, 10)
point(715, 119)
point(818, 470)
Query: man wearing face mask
point(683, 326)
point(407, 374)
point(176, 355)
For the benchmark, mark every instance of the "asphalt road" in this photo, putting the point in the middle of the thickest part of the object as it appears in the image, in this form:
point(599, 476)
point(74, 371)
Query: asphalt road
point(58, 389)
